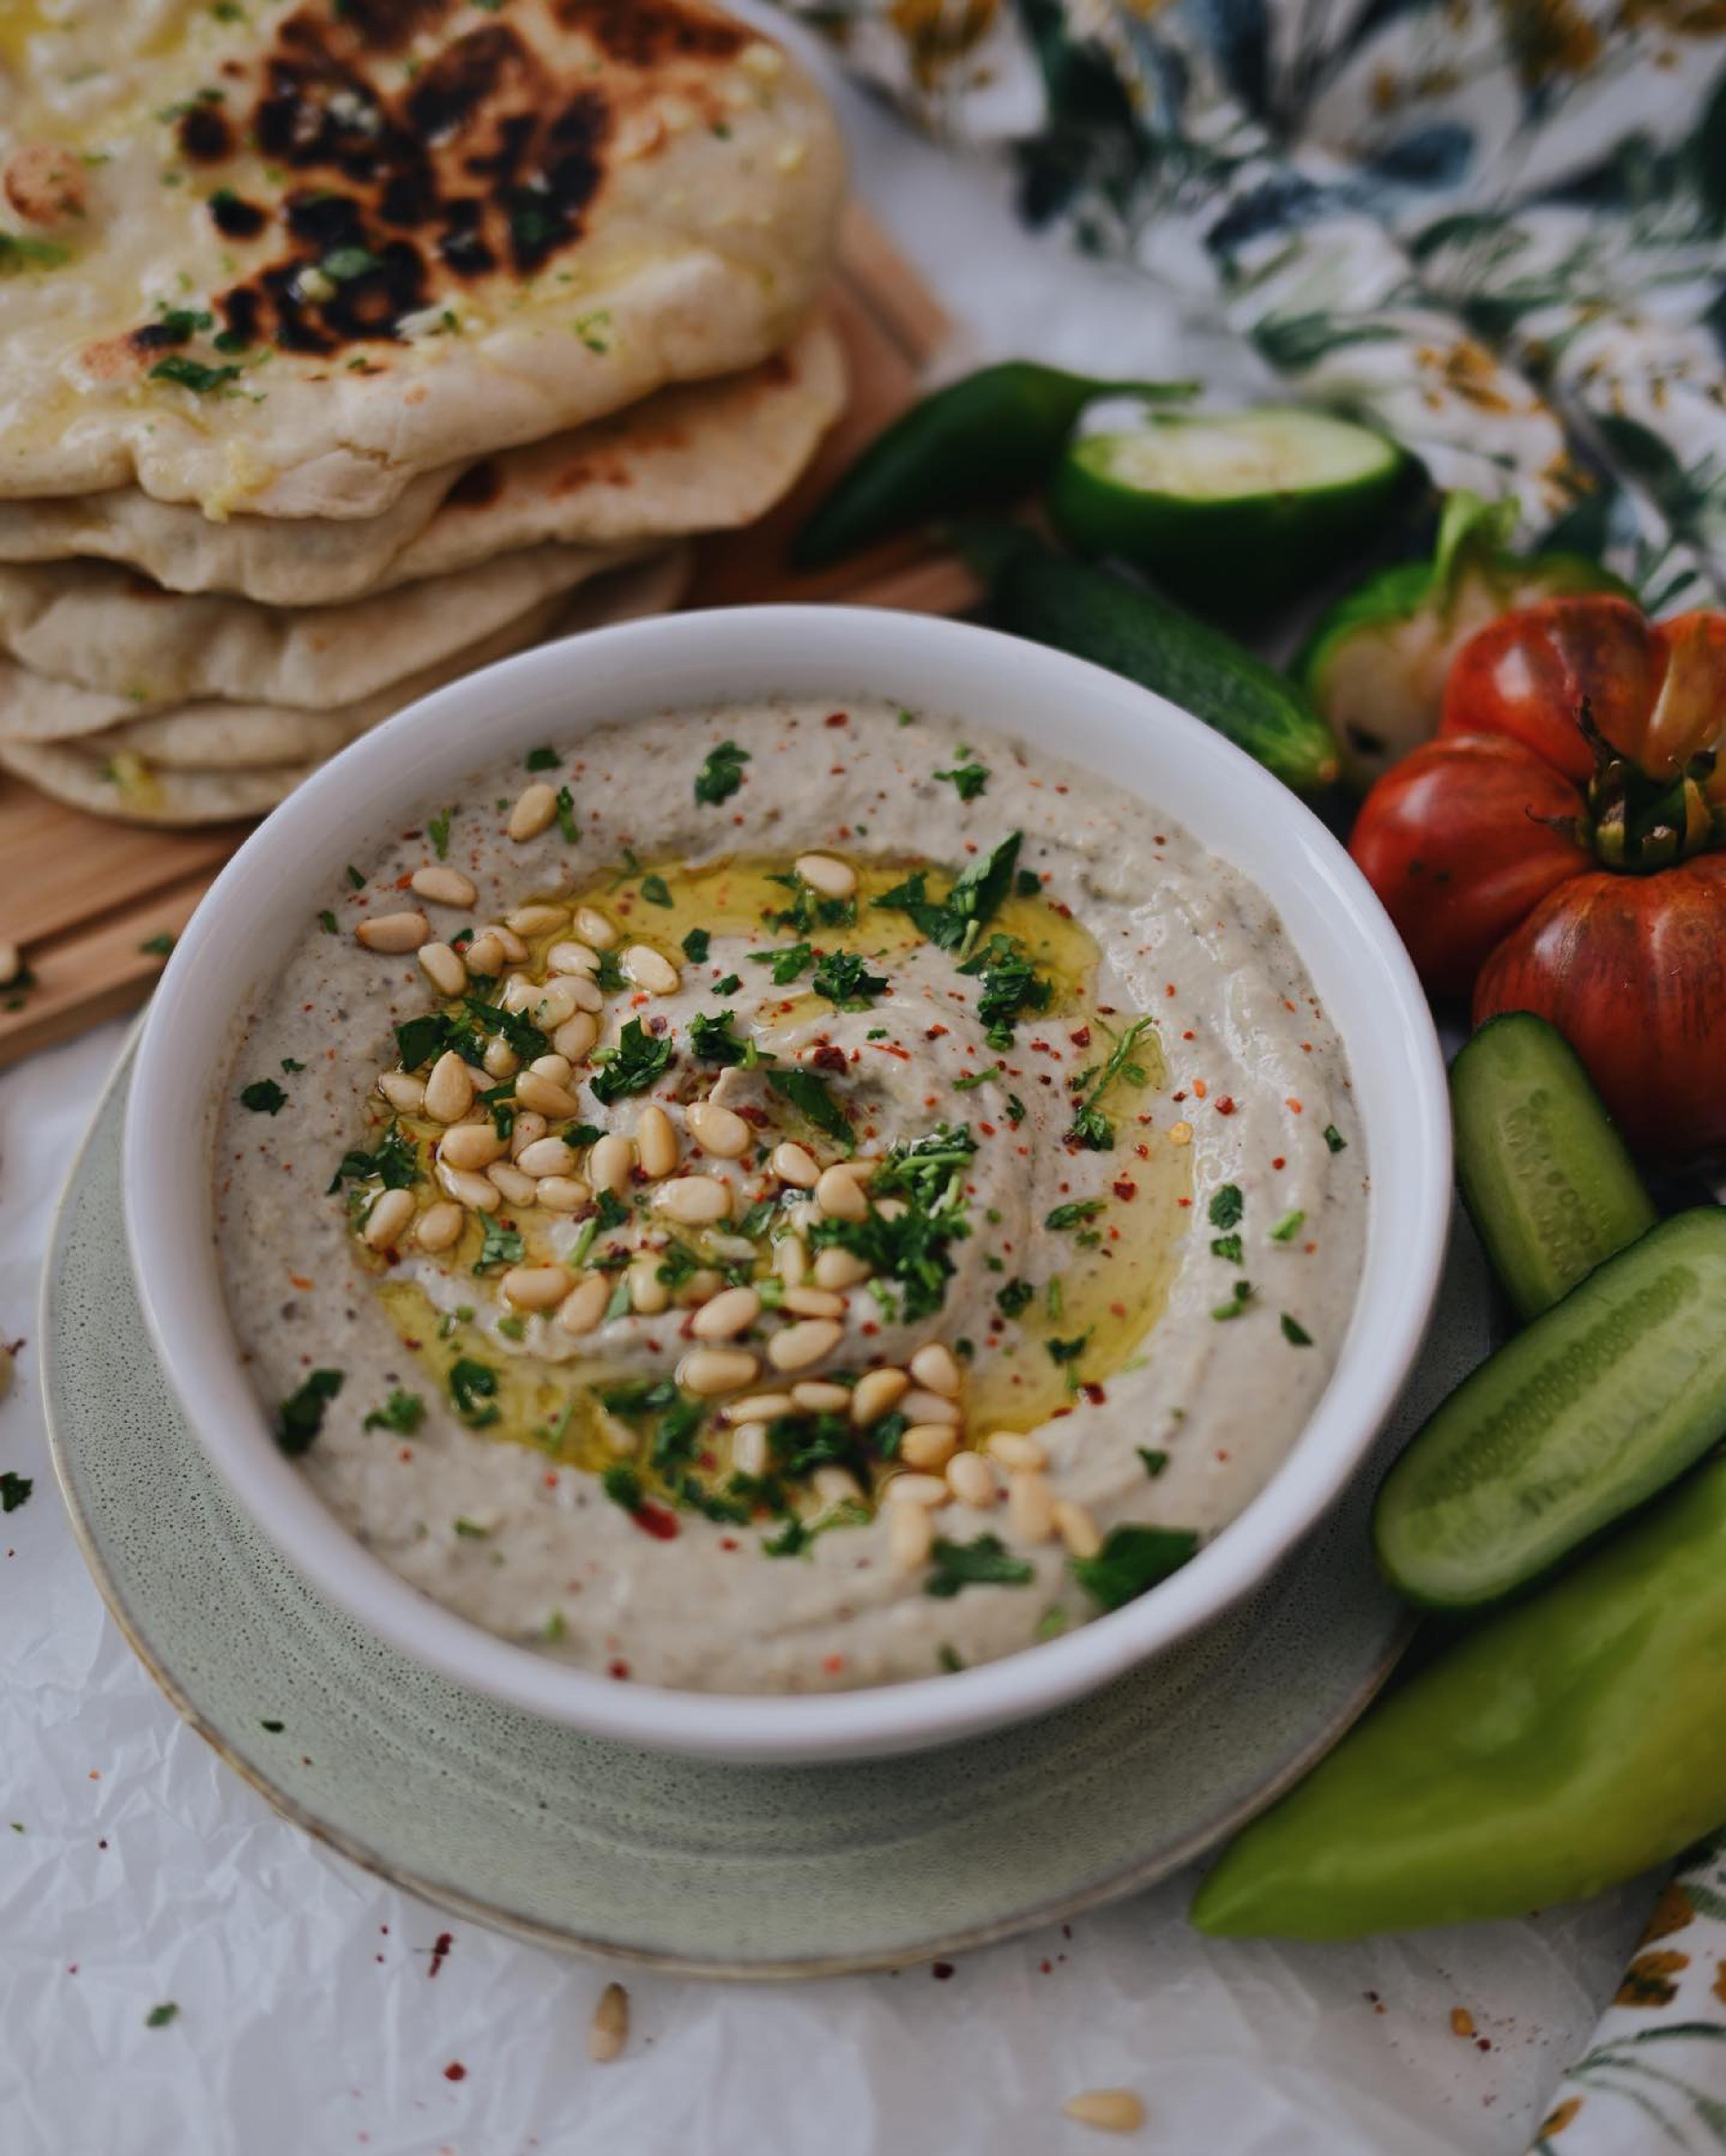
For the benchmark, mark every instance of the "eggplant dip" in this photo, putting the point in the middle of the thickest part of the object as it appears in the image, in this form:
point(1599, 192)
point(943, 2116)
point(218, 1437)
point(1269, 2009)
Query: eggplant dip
point(788, 1198)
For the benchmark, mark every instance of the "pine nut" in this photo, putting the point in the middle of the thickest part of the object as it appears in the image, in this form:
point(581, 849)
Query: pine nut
point(610, 1161)
point(819, 1396)
point(536, 919)
point(561, 1193)
point(705, 1371)
point(393, 932)
point(484, 956)
point(576, 1036)
point(656, 1146)
point(758, 1407)
point(444, 886)
point(403, 1091)
point(593, 926)
point(1116, 2110)
point(911, 1535)
point(892, 1209)
point(717, 1131)
point(1076, 1528)
point(546, 1157)
point(1017, 1453)
point(511, 944)
point(815, 1302)
point(874, 1393)
point(1031, 1506)
point(554, 1067)
point(749, 1448)
point(449, 1090)
point(835, 1268)
point(500, 1060)
point(694, 1201)
point(518, 992)
point(582, 1309)
point(803, 1217)
point(971, 1480)
point(390, 1213)
point(936, 1369)
point(535, 1287)
point(928, 1490)
point(795, 1164)
point(732, 1310)
point(647, 970)
point(439, 1226)
point(732, 1250)
point(791, 1259)
point(535, 807)
point(520, 1189)
point(648, 1292)
point(443, 968)
point(929, 1445)
point(1180, 1134)
point(931, 1407)
point(473, 1191)
point(810, 1340)
point(572, 958)
point(534, 1090)
point(836, 1485)
point(470, 1145)
point(839, 1195)
point(550, 1002)
point(529, 1130)
point(821, 872)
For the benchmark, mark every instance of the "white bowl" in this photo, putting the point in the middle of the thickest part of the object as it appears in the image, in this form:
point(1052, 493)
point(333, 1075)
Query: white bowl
point(258, 911)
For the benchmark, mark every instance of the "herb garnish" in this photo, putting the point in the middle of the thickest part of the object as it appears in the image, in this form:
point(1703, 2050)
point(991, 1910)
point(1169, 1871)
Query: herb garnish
point(1154, 1461)
point(695, 945)
point(656, 890)
point(1288, 1226)
point(712, 1039)
point(1233, 1308)
point(967, 780)
point(721, 775)
point(1295, 1332)
point(808, 909)
point(15, 1490)
point(623, 1485)
point(985, 1561)
point(301, 1417)
point(394, 1161)
point(609, 973)
point(1016, 1295)
point(911, 1247)
point(192, 374)
point(327, 922)
point(520, 1033)
point(1334, 1139)
point(1090, 1127)
point(502, 1246)
point(632, 1066)
point(1132, 1560)
point(1075, 1214)
point(540, 759)
point(787, 962)
point(19, 251)
point(1226, 1206)
point(402, 1411)
point(159, 2017)
point(438, 829)
point(263, 1098)
point(564, 805)
point(843, 977)
point(958, 919)
point(808, 1094)
point(1010, 984)
point(473, 1390)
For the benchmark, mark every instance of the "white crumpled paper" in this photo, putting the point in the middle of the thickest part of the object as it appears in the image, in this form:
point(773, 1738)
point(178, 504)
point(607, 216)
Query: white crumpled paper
point(313, 2017)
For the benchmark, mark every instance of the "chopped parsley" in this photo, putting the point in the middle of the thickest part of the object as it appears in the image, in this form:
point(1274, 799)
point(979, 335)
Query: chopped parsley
point(192, 374)
point(787, 963)
point(14, 1489)
point(1334, 1139)
point(1155, 1461)
point(609, 973)
point(402, 1412)
point(696, 945)
point(1075, 1214)
point(1237, 1302)
point(843, 977)
point(808, 1094)
point(290, 1065)
point(632, 1066)
point(394, 1161)
point(1068, 1351)
point(1131, 1561)
point(1010, 984)
point(564, 805)
point(473, 1391)
point(955, 922)
point(986, 1561)
point(522, 1034)
point(623, 1485)
point(301, 1417)
point(1295, 1332)
point(470, 1528)
point(18, 251)
point(1229, 1248)
point(656, 890)
point(911, 1249)
point(438, 829)
point(159, 2017)
point(355, 879)
point(1226, 1206)
point(502, 1246)
point(540, 759)
point(973, 1079)
point(327, 922)
point(263, 1098)
point(721, 775)
point(729, 986)
point(1288, 1226)
point(1090, 1127)
point(967, 780)
point(712, 1039)
point(809, 909)
point(1016, 1295)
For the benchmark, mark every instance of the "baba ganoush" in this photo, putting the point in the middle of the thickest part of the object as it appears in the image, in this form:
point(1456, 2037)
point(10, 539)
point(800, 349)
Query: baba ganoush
point(788, 1197)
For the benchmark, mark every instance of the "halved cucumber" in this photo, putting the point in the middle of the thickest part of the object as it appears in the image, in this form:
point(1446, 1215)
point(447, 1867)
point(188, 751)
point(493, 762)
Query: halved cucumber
point(1228, 510)
point(1598, 1404)
point(1549, 1183)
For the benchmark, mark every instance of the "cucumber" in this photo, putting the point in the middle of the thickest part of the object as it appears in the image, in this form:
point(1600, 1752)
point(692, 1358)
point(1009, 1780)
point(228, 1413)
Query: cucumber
point(1585, 1415)
point(1035, 592)
point(1549, 1183)
point(1229, 511)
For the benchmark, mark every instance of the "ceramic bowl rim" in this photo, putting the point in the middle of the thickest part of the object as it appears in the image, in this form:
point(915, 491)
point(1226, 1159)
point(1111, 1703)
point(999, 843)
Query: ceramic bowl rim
point(641, 667)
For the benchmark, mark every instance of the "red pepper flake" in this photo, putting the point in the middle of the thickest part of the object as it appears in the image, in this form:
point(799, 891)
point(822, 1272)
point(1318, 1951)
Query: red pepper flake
point(1293, 1104)
point(1226, 1107)
point(934, 1033)
point(406, 1452)
point(729, 1542)
point(655, 1521)
point(550, 1478)
point(1093, 1392)
point(456, 2071)
point(1279, 1161)
point(298, 1280)
point(987, 1129)
point(1080, 1036)
point(1169, 987)
point(439, 1952)
point(1189, 1034)
point(1047, 1967)
point(619, 1669)
point(1199, 1088)
point(833, 1664)
point(837, 719)
point(1124, 1190)
point(828, 1059)
point(940, 1970)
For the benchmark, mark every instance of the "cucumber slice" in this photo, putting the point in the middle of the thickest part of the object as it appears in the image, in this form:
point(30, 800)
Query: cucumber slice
point(1549, 1183)
point(1228, 511)
point(1599, 1403)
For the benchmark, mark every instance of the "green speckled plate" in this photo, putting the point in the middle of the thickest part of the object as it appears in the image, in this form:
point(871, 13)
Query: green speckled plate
point(719, 1869)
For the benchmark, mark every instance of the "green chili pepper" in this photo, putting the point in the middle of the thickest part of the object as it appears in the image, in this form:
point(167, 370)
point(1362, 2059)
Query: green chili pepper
point(979, 443)
point(1557, 1749)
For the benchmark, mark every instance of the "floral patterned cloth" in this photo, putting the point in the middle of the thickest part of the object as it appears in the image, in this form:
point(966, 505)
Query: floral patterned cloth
point(1492, 228)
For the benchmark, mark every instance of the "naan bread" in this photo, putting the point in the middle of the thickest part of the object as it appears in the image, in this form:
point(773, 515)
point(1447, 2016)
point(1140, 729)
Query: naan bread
point(115, 774)
point(279, 258)
point(105, 627)
point(705, 456)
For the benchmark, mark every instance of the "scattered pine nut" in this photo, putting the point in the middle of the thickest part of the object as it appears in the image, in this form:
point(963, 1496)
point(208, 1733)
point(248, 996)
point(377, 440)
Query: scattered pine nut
point(536, 805)
point(403, 1091)
point(582, 1309)
point(608, 2032)
point(388, 1218)
point(648, 1292)
point(1076, 1528)
point(546, 1157)
point(439, 1226)
point(484, 956)
point(815, 1302)
point(928, 1445)
point(718, 1131)
point(476, 1191)
point(449, 1090)
point(656, 1146)
point(732, 1310)
point(561, 1193)
point(520, 1189)
point(821, 872)
point(592, 927)
point(442, 885)
point(931, 1407)
point(706, 1371)
point(810, 1340)
point(795, 1164)
point(609, 1162)
point(758, 1407)
point(694, 1201)
point(471, 1145)
point(534, 1090)
point(647, 970)
point(1015, 1451)
point(874, 1393)
point(576, 1036)
point(839, 1195)
point(1030, 1505)
point(928, 1490)
point(536, 919)
point(818, 1396)
point(1113, 2111)
point(911, 1534)
point(393, 932)
point(443, 968)
point(936, 1369)
point(749, 1448)
point(971, 1480)
point(535, 1287)
point(574, 958)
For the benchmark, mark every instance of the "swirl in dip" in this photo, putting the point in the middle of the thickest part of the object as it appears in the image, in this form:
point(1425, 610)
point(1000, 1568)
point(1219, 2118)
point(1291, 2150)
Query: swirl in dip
point(785, 1198)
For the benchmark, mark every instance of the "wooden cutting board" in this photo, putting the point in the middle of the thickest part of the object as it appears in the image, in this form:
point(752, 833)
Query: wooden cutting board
point(91, 903)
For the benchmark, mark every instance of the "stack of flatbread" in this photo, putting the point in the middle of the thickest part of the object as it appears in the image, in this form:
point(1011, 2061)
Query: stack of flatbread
point(349, 345)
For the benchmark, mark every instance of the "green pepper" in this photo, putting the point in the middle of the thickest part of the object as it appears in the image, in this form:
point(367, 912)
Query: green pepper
point(1561, 1747)
point(978, 442)
point(1375, 664)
